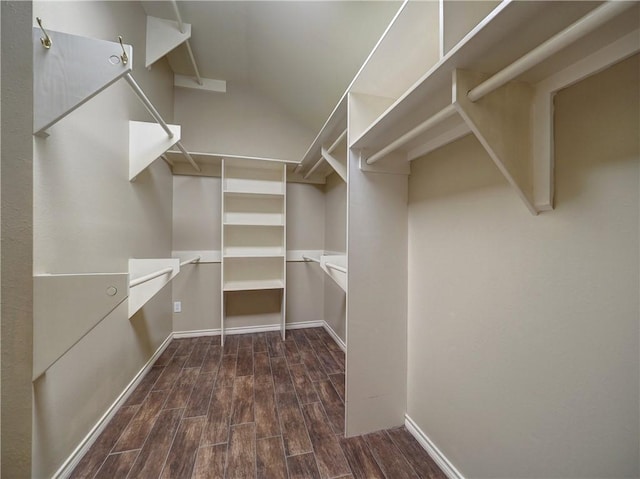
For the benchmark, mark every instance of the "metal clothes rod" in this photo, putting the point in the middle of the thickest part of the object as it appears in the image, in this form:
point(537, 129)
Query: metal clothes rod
point(176, 10)
point(188, 156)
point(586, 24)
point(192, 260)
point(307, 258)
point(156, 116)
point(336, 267)
point(145, 101)
point(313, 168)
point(335, 144)
point(443, 114)
point(149, 277)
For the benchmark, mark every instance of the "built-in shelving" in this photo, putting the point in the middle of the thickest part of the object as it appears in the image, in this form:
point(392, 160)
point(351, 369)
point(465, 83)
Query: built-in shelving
point(253, 228)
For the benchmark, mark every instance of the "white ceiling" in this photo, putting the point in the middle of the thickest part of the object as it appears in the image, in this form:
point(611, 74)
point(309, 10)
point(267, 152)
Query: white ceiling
point(300, 54)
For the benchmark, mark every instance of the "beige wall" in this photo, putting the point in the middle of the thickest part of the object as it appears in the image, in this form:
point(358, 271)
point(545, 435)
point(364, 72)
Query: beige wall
point(88, 217)
point(239, 122)
point(196, 226)
point(523, 331)
point(16, 210)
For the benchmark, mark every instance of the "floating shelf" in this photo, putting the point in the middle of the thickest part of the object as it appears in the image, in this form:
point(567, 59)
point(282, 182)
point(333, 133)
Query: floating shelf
point(147, 277)
point(71, 72)
point(147, 142)
point(67, 307)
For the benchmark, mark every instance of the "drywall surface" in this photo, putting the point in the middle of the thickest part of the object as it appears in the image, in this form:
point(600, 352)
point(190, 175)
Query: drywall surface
point(523, 331)
point(239, 122)
point(196, 227)
point(460, 17)
point(16, 213)
point(88, 218)
point(335, 240)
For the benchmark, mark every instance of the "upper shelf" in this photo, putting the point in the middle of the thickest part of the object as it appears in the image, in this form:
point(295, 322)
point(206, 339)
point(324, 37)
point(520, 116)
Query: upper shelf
point(510, 31)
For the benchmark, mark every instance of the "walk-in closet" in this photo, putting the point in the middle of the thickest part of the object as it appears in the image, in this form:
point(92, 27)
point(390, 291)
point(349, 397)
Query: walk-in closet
point(320, 239)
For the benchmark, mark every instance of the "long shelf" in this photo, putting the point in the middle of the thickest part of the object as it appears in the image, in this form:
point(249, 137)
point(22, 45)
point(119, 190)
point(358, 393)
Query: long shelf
point(484, 49)
point(254, 254)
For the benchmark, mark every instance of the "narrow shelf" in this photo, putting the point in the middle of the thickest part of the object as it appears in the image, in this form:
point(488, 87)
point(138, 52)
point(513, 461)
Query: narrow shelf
point(251, 194)
point(254, 254)
point(254, 188)
point(253, 285)
point(255, 222)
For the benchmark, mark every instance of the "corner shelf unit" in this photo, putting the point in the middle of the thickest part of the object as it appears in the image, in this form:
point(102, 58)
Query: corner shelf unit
point(253, 229)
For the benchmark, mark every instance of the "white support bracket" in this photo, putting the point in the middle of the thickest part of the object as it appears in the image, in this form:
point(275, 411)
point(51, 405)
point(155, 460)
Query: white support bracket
point(71, 72)
point(144, 289)
point(502, 123)
point(67, 307)
point(338, 166)
point(163, 36)
point(336, 268)
point(147, 142)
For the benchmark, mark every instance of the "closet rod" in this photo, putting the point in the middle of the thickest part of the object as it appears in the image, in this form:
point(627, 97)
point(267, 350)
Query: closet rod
point(156, 116)
point(307, 258)
point(174, 3)
point(189, 261)
point(336, 267)
point(313, 168)
point(430, 122)
point(149, 277)
point(335, 144)
point(573, 32)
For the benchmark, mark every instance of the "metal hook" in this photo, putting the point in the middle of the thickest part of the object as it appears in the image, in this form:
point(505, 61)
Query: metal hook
point(46, 41)
point(123, 57)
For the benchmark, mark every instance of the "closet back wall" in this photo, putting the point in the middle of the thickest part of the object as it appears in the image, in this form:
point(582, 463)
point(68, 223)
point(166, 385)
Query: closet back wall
point(196, 222)
point(89, 218)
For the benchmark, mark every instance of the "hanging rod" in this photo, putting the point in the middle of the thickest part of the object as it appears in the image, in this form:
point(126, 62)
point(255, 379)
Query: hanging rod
point(313, 168)
point(189, 261)
point(149, 277)
point(176, 10)
point(335, 144)
point(573, 32)
point(430, 122)
point(156, 116)
point(307, 258)
point(336, 267)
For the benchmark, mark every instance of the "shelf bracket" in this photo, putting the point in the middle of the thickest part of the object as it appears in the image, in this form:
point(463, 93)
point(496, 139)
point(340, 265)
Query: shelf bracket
point(70, 73)
point(145, 290)
point(67, 307)
point(502, 123)
point(336, 164)
point(163, 36)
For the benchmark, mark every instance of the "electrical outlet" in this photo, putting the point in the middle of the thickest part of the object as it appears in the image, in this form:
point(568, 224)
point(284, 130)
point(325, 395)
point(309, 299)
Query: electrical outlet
point(177, 306)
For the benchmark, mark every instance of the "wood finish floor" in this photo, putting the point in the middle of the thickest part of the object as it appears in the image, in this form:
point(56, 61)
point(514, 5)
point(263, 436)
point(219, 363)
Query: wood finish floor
point(259, 408)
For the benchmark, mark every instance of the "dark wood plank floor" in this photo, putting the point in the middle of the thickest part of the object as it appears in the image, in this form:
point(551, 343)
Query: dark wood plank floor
point(257, 408)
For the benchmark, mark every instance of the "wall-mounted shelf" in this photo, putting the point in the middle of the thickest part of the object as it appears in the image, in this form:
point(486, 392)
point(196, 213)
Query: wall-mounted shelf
point(71, 72)
point(147, 277)
point(163, 36)
point(67, 307)
point(426, 117)
point(147, 142)
point(334, 265)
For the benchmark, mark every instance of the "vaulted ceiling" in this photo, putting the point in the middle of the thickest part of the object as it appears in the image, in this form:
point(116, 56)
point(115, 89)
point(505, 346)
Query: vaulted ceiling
point(300, 54)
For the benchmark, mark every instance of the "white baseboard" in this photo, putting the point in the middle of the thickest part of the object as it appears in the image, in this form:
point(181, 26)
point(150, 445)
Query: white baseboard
point(440, 459)
point(335, 336)
point(246, 329)
point(72, 461)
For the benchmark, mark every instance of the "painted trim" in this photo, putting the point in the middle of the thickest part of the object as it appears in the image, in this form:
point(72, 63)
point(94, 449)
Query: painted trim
point(246, 329)
point(427, 444)
point(335, 336)
point(73, 460)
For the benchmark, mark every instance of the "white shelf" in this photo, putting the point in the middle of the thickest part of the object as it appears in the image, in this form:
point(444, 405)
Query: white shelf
point(262, 253)
point(253, 285)
point(251, 194)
